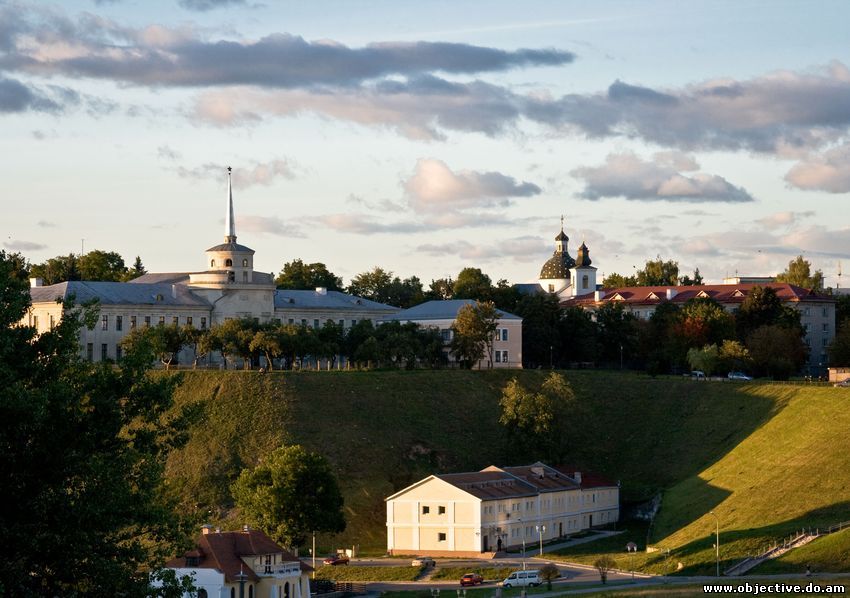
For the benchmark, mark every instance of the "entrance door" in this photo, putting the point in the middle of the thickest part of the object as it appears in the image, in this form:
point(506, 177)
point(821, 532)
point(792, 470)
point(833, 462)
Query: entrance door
point(560, 528)
point(486, 544)
point(591, 521)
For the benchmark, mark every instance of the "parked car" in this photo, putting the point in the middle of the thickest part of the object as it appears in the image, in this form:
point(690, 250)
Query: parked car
point(470, 579)
point(698, 375)
point(423, 561)
point(843, 384)
point(521, 579)
point(336, 559)
point(738, 376)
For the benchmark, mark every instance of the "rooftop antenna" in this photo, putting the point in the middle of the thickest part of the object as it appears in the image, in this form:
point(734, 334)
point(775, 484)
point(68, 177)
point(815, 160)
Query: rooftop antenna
point(83, 247)
point(839, 274)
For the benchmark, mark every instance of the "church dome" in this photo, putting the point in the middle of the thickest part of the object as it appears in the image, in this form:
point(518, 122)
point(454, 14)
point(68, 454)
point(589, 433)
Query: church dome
point(583, 256)
point(558, 266)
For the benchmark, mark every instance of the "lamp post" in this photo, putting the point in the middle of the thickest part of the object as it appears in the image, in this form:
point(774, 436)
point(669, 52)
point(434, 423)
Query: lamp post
point(551, 361)
point(241, 579)
point(314, 555)
point(541, 529)
point(716, 540)
point(522, 531)
point(621, 356)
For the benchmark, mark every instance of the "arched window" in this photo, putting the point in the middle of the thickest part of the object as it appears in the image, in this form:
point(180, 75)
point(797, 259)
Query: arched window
point(228, 263)
point(212, 263)
point(251, 591)
point(202, 593)
point(245, 263)
point(232, 592)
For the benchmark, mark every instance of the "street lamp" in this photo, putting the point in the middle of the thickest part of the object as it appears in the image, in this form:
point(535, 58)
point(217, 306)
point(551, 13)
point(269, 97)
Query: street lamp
point(541, 529)
point(621, 356)
point(522, 531)
point(241, 579)
point(716, 540)
point(551, 361)
point(313, 552)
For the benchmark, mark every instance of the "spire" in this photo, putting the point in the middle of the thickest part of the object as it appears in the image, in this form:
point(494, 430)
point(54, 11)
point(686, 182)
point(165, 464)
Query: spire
point(229, 220)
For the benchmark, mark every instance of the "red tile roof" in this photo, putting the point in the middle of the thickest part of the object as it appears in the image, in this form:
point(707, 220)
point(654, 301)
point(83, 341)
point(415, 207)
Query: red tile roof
point(723, 293)
point(494, 483)
point(224, 551)
point(589, 479)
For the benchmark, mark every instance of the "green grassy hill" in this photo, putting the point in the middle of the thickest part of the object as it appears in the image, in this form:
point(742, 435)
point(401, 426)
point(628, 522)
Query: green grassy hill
point(767, 457)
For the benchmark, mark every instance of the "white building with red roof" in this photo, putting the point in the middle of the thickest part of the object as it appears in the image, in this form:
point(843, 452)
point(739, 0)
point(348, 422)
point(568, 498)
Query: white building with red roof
point(817, 311)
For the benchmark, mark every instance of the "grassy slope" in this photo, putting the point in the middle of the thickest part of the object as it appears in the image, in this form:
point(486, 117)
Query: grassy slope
point(827, 554)
point(384, 430)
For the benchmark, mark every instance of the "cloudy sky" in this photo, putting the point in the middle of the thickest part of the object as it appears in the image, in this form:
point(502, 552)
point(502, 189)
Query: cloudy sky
point(428, 136)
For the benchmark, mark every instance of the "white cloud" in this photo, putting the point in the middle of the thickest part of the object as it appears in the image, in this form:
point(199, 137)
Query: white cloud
point(18, 245)
point(258, 173)
point(829, 171)
point(626, 175)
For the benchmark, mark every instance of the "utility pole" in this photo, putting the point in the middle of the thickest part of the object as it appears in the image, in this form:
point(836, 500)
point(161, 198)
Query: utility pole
point(716, 541)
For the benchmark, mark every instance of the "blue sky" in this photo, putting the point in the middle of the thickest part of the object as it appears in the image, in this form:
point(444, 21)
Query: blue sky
point(425, 137)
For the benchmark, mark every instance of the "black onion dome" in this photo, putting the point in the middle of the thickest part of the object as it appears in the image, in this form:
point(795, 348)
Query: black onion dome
point(583, 256)
point(557, 266)
point(562, 236)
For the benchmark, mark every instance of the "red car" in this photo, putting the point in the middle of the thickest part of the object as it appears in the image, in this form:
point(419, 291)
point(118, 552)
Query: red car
point(470, 579)
point(336, 559)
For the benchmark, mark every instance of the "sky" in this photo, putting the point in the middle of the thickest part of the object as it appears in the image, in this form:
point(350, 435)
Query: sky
point(424, 137)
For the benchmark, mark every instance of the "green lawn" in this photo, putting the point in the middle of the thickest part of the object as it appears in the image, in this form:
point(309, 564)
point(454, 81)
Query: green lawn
point(489, 573)
point(365, 573)
point(768, 458)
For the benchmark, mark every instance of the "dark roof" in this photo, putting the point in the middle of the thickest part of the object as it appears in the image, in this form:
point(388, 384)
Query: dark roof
point(583, 256)
point(489, 484)
point(723, 293)
point(543, 477)
point(589, 479)
point(169, 277)
point(557, 266)
point(286, 298)
point(562, 236)
point(440, 310)
point(118, 293)
point(231, 247)
point(224, 551)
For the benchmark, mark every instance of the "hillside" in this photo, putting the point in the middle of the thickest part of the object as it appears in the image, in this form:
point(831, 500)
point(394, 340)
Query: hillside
point(384, 430)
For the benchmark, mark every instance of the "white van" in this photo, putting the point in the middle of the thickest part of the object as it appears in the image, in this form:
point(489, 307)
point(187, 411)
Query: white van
point(519, 579)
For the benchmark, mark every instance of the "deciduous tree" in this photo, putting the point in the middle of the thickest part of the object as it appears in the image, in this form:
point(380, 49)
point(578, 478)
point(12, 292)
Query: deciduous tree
point(289, 495)
point(799, 273)
point(474, 328)
point(306, 277)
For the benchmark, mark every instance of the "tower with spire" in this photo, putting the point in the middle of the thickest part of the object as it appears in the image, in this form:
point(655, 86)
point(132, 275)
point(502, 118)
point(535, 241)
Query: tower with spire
point(555, 273)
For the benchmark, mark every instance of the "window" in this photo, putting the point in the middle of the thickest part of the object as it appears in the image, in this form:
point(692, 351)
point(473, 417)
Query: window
point(315, 323)
point(231, 277)
point(53, 322)
point(188, 320)
point(426, 510)
point(104, 322)
point(228, 263)
point(245, 263)
point(303, 321)
point(824, 342)
point(203, 323)
point(446, 335)
point(585, 281)
point(132, 322)
point(291, 321)
point(161, 321)
point(504, 334)
point(35, 322)
point(551, 288)
point(119, 323)
point(175, 320)
point(806, 327)
point(825, 312)
point(104, 355)
point(202, 593)
point(354, 322)
point(825, 327)
point(212, 263)
point(147, 321)
point(192, 561)
point(441, 537)
point(90, 351)
point(118, 353)
point(244, 276)
point(441, 510)
point(498, 357)
point(342, 323)
point(504, 357)
point(806, 311)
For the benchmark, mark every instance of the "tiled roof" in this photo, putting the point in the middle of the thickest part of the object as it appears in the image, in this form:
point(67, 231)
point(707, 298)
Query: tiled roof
point(285, 298)
point(543, 477)
point(118, 293)
point(589, 479)
point(723, 293)
point(224, 551)
point(440, 310)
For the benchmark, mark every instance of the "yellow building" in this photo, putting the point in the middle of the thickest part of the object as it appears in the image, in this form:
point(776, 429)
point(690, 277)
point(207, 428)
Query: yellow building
point(467, 514)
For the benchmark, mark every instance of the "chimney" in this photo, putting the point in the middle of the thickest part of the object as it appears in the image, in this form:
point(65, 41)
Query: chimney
point(577, 477)
point(322, 290)
point(598, 295)
point(36, 282)
point(206, 529)
point(671, 293)
point(245, 528)
point(174, 291)
point(538, 471)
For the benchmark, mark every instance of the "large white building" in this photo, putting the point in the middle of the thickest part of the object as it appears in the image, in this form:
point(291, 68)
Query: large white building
point(466, 514)
point(228, 287)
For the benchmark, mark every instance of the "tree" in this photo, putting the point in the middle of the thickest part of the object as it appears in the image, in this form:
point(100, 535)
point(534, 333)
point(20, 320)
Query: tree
point(57, 269)
point(306, 277)
point(474, 328)
point(540, 318)
point(618, 332)
point(578, 335)
point(137, 269)
point(657, 272)
point(290, 495)
point(799, 273)
point(549, 572)
point(763, 307)
point(687, 281)
point(101, 265)
point(776, 351)
point(734, 356)
point(85, 459)
point(440, 289)
point(535, 420)
point(616, 281)
point(604, 565)
point(706, 359)
point(268, 343)
point(164, 342)
point(703, 321)
point(839, 350)
point(472, 283)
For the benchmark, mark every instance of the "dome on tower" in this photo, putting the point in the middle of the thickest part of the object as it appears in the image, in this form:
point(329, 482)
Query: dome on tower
point(558, 266)
point(583, 256)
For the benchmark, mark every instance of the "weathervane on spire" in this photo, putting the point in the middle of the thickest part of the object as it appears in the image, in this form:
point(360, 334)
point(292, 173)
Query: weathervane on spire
point(562, 222)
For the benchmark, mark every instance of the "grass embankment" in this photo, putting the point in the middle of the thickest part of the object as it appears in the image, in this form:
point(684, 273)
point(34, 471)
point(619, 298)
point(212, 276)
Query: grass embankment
point(365, 573)
point(828, 554)
point(489, 573)
point(792, 472)
point(767, 458)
